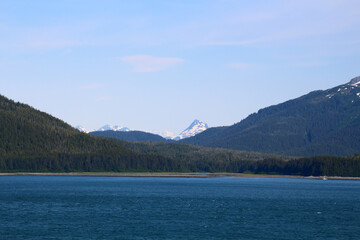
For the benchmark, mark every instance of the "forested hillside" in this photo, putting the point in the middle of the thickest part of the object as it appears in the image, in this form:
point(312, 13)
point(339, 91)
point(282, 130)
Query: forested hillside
point(33, 141)
point(319, 123)
point(225, 160)
point(190, 153)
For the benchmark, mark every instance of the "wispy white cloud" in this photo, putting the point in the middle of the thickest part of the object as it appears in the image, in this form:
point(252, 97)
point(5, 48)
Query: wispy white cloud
point(147, 63)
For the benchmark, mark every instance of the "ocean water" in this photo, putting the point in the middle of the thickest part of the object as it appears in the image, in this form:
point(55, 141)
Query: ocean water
point(52, 207)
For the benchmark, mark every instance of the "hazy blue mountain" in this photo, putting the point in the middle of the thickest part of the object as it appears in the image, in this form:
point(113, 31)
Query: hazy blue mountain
point(319, 123)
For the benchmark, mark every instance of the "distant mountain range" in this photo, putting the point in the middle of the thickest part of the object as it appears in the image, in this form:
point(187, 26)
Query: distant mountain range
point(34, 141)
point(106, 127)
point(125, 133)
point(325, 122)
point(319, 123)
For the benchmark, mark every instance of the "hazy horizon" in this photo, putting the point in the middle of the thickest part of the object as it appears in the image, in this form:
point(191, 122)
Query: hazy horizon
point(158, 65)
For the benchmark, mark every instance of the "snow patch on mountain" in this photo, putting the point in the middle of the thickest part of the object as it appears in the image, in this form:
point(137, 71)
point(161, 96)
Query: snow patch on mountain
point(355, 82)
point(81, 129)
point(166, 134)
point(351, 88)
point(195, 128)
point(108, 127)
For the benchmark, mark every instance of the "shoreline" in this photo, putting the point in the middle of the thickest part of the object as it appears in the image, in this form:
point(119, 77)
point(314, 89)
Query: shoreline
point(176, 175)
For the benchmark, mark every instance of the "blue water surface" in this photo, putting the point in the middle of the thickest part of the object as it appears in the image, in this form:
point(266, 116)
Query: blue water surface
point(52, 207)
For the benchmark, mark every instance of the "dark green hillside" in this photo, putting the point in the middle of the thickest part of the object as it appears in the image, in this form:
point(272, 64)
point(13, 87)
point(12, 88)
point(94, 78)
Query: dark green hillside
point(24, 131)
point(133, 136)
point(319, 123)
point(206, 159)
point(189, 153)
point(226, 160)
point(31, 140)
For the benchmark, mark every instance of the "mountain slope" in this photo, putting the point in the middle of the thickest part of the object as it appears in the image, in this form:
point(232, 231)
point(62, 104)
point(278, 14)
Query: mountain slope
point(108, 127)
point(165, 134)
point(35, 141)
point(195, 128)
point(134, 136)
point(81, 128)
point(31, 140)
point(319, 123)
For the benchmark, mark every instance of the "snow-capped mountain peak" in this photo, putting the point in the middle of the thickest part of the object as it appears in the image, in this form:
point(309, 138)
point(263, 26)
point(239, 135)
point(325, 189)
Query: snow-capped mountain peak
point(350, 88)
point(81, 129)
point(195, 127)
point(355, 82)
point(108, 127)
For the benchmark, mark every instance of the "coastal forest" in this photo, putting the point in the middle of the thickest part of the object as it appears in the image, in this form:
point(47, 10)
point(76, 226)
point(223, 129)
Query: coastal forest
point(34, 141)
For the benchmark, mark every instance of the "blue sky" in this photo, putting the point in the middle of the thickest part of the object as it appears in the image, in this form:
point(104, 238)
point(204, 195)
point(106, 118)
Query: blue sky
point(158, 65)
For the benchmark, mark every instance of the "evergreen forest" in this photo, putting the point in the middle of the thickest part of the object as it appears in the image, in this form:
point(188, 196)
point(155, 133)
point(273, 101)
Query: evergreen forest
point(34, 141)
point(319, 123)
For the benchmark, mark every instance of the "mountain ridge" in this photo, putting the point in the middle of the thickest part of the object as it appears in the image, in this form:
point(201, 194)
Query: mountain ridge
point(195, 128)
point(108, 127)
point(34, 141)
point(320, 122)
point(31, 140)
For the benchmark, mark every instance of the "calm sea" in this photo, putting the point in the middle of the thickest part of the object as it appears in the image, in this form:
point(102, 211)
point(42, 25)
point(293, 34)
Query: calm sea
point(44, 207)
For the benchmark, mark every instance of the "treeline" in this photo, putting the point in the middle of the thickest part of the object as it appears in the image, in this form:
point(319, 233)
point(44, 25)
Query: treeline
point(184, 152)
point(88, 163)
point(33, 141)
point(315, 166)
